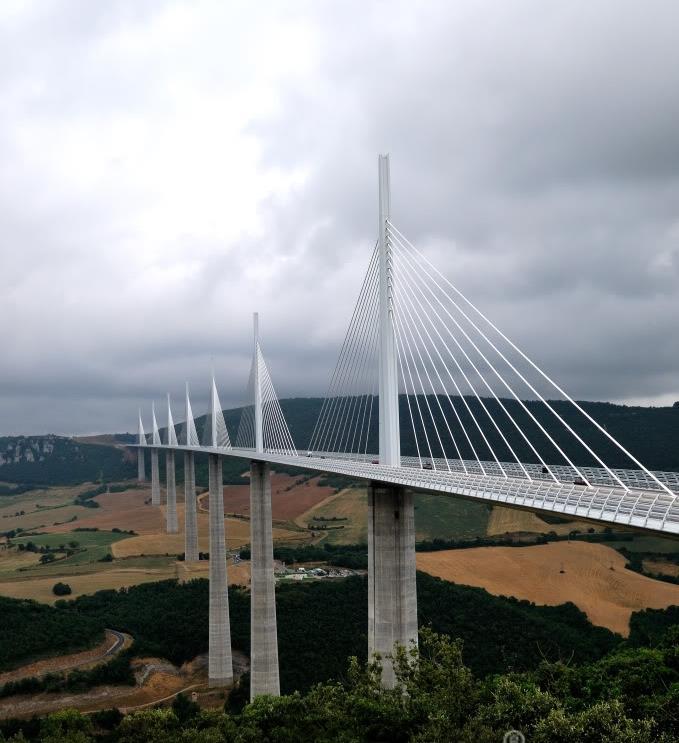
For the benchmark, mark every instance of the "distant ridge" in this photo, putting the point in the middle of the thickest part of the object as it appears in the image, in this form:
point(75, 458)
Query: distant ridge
point(650, 433)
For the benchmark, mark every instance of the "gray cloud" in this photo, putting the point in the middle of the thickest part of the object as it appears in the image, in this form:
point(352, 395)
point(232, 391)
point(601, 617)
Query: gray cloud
point(169, 168)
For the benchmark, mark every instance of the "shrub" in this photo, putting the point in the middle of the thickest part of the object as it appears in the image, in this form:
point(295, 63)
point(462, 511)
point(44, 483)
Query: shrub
point(61, 589)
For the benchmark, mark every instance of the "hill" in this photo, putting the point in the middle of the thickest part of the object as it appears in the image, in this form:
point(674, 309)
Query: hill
point(651, 434)
point(321, 624)
point(59, 460)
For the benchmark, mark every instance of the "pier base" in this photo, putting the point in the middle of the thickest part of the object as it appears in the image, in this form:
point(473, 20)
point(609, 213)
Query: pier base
point(264, 677)
point(155, 478)
point(171, 491)
point(220, 665)
point(190, 515)
point(392, 592)
point(141, 469)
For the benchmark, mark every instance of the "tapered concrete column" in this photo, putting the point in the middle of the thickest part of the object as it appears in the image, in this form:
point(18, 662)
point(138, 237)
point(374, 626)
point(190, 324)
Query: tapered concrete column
point(220, 666)
point(155, 478)
point(171, 492)
point(190, 518)
point(141, 469)
point(263, 633)
point(392, 597)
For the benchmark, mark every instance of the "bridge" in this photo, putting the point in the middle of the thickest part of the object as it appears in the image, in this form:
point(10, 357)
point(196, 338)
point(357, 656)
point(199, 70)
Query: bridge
point(428, 395)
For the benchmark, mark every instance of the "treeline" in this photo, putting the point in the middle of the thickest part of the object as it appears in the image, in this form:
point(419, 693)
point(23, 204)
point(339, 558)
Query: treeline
point(630, 694)
point(29, 630)
point(649, 433)
point(69, 462)
point(114, 672)
point(321, 623)
point(86, 498)
point(354, 556)
point(507, 540)
point(15, 489)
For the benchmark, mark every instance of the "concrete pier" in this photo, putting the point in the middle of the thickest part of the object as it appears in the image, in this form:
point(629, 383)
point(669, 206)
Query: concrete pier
point(155, 478)
point(190, 516)
point(220, 666)
point(171, 492)
point(264, 677)
point(141, 469)
point(392, 594)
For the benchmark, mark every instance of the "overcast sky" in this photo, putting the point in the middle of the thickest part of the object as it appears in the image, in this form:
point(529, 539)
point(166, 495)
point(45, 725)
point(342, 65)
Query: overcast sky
point(166, 168)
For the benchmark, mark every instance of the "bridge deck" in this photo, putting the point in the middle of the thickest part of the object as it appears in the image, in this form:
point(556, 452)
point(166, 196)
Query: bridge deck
point(649, 509)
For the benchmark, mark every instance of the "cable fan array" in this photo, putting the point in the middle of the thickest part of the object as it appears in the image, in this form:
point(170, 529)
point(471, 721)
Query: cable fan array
point(215, 433)
point(276, 436)
point(347, 425)
point(469, 399)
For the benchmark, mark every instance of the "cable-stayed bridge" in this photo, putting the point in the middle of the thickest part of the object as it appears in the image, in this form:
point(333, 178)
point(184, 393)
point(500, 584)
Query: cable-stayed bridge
point(428, 394)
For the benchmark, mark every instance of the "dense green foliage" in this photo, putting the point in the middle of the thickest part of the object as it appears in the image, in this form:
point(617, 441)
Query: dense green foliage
point(649, 433)
point(354, 556)
point(543, 670)
point(31, 630)
point(321, 623)
point(116, 671)
point(647, 628)
point(629, 695)
point(61, 589)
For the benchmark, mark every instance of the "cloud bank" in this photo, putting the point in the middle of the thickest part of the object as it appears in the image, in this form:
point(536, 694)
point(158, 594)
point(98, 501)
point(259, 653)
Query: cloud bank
point(168, 168)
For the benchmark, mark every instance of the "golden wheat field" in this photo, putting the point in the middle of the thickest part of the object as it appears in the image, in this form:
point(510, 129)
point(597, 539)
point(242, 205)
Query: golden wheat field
point(40, 589)
point(594, 578)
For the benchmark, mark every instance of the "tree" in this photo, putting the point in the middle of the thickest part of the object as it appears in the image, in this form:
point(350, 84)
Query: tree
point(184, 708)
point(61, 589)
point(66, 726)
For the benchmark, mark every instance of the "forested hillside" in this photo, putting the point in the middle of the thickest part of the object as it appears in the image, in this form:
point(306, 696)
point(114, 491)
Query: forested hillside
point(321, 624)
point(29, 630)
point(58, 460)
point(543, 671)
point(651, 434)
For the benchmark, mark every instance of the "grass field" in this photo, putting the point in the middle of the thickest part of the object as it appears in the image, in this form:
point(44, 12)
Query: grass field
point(238, 575)
point(148, 556)
point(592, 576)
point(94, 544)
point(160, 543)
point(503, 520)
point(42, 508)
point(644, 543)
point(128, 510)
point(40, 589)
point(435, 516)
point(441, 516)
point(350, 504)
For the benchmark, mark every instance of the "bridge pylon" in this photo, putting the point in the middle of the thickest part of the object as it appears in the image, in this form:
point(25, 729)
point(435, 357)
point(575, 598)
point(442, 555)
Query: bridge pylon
point(171, 525)
point(220, 665)
point(155, 470)
point(141, 441)
point(264, 674)
point(190, 510)
point(392, 596)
